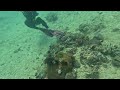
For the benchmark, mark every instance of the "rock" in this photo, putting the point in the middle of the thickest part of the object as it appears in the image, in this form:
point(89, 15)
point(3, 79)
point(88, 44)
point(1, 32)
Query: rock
point(116, 61)
point(76, 64)
point(93, 75)
point(92, 58)
point(96, 40)
point(70, 75)
point(99, 37)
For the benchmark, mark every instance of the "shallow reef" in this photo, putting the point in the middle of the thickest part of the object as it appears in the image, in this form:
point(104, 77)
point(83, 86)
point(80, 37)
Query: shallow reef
point(88, 28)
point(74, 50)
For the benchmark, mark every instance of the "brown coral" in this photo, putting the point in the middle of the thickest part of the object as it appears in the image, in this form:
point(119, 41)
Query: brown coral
point(65, 61)
point(59, 64)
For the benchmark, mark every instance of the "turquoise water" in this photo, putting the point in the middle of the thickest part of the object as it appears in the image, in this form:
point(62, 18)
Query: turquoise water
point(23, 49)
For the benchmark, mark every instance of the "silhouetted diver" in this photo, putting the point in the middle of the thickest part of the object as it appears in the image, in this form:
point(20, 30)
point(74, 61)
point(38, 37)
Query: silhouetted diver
point(32, 22)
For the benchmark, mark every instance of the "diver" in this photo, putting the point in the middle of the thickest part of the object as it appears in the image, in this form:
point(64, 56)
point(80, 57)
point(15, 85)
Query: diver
point(32, 21)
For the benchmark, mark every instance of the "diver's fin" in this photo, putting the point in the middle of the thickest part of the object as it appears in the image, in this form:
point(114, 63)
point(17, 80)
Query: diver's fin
point(52, 33)
point(48, 32)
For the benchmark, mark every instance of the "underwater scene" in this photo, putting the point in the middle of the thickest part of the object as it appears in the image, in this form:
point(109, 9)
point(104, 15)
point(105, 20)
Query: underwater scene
point(59, 45)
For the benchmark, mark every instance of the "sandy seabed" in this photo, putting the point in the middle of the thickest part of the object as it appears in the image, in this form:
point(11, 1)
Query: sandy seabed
point(22, 49)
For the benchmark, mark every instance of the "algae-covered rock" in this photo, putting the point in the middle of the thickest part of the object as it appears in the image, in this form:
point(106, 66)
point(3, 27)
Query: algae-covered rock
point(59, 64)
point(116, 61)
point(92, 58)
point(93, 75)
point(70, 75)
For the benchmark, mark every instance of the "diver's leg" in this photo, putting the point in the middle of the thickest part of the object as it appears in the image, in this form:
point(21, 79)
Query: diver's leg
point(40, 21)
point(30, 24)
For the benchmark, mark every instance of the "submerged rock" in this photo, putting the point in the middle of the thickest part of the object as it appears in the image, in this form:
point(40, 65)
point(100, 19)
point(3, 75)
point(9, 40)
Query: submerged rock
point(71, 75)
point(116, 61)
point(76, 64)
point(92, 58)
point(93, 75)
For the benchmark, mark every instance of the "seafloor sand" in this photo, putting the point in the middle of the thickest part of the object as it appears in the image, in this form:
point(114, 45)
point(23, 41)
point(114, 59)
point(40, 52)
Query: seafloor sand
point(22, 50)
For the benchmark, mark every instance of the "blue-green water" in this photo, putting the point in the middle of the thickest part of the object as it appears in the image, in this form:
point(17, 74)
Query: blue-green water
point(23, 49)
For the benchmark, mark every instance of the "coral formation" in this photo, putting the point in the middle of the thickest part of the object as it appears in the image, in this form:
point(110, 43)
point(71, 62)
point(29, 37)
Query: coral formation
point(90, 28)
point(59, 65)
point(70, 75)
point(116, 61)
point(73, 40)
point(61, 61)
point(93, 75)
point(92, 58)
point(97, 40)
point(77, 50)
